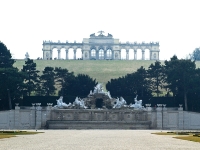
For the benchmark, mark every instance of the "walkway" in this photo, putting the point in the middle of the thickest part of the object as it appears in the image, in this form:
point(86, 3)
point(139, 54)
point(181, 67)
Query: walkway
point(96, 140)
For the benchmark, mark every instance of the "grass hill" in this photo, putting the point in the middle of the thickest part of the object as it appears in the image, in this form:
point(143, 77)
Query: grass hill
point(101, 70)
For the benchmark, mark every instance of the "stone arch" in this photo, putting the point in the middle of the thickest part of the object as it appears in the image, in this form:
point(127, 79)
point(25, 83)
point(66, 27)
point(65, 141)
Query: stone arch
point(93, 53)
point(62, 53)
point(131, 54)
point(79, 53)
point(101, 54)
point(123, 54)
point(70, 53)
point(109, 54)
point(147, 54)
point(54, 50)
point(139, 54)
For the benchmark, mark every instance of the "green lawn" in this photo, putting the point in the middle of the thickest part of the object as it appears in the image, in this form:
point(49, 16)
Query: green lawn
point(101, 70)
point(12, 133)
point(189, 136)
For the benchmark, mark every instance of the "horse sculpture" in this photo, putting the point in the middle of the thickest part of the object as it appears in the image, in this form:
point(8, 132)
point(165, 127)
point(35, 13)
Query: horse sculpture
point(120, 103)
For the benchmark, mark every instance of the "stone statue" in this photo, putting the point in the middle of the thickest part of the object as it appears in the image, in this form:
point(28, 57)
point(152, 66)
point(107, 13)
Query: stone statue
point(26, 55)
point(92, 35)
point(138, 103)
point(79, 103)
point(109, 35)
point(61, 104)
point(98, 88)
point(120, 103)
point(101, 33)
point(108, 93)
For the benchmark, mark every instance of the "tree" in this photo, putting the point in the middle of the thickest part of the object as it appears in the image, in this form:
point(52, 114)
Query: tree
point(196, 54)
point(79, 85)
point(11, 86)
point(47, 81)
point(133, 84)
point(179, 76)
point(6, 60)
point(156, 77)
point(11, 81)
point(142, 84)
point(31, 80)
point(62, 76)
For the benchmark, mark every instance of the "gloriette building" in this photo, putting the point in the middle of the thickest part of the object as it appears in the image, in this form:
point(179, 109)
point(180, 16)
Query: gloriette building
point(101, 47)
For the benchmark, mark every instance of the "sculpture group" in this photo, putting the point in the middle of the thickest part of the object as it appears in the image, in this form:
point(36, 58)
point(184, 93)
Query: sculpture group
point(90, 102)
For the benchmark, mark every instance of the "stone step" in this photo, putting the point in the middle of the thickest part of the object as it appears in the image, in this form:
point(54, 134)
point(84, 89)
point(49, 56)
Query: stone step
point(51, 124)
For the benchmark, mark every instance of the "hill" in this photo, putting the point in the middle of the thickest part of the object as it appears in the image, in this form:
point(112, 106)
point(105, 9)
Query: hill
point(101, 70)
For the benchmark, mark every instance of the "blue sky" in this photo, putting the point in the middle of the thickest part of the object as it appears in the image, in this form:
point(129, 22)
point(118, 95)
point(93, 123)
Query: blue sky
point(174, 23)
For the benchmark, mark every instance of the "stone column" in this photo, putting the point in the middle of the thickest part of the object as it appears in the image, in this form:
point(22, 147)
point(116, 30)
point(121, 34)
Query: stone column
point(159, 117)
point(105, 56)
point(120, 55)
point(89, 55)
point(97, 54)
point(180, 118)
point(74, 54)
point(44, 55)
point(11, 119)
point(143, 54)
point(149, 116)
point(150, 55)
point(51, 55)
point(33, 117)
point(135, 54)
point(81, 53)
point(67, 57)
point(164, 118)
point(127, 54)
point(58, 54)
point(17, 116)
point(38, 117)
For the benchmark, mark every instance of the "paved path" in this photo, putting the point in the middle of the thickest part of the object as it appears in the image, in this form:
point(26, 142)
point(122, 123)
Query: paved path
point(96, 140)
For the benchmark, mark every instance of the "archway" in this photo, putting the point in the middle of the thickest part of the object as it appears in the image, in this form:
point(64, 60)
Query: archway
point(78, 53)
point(101, 54)
point(131, 54)
point(109, 54)
point(123, 54)
point(93, 54)
point(71, 53)
point(99, 103)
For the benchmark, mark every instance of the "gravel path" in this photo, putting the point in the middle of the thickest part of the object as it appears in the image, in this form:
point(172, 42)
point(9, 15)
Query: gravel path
point(96, 140)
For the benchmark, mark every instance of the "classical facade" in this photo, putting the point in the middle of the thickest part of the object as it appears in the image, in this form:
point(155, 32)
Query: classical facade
point(101, 47)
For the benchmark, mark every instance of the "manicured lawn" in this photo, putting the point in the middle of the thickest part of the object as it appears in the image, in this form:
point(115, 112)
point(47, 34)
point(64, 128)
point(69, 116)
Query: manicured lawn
point(8, 134)
point(101, 70)
point(189, 136)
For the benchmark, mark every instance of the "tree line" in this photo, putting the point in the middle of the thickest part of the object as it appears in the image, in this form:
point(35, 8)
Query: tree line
point(176, 77)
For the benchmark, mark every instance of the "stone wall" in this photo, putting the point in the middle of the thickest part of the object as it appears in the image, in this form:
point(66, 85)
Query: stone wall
point(159, 118)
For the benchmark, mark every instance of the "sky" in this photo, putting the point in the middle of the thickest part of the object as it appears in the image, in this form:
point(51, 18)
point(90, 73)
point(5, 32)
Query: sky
point(25, 24)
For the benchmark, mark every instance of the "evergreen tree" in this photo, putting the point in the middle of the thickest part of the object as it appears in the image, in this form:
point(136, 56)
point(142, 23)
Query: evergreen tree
point(196, 54)
point(62, 76)
point(47, 81)
point(6, 60)
point(31, 80)
point(79, 85)
point(179, 76)
point(11, 80)
point(133, 84)
point(156, 77)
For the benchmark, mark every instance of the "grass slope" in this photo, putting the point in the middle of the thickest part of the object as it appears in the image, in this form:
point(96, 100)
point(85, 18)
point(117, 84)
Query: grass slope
point(101, 70)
